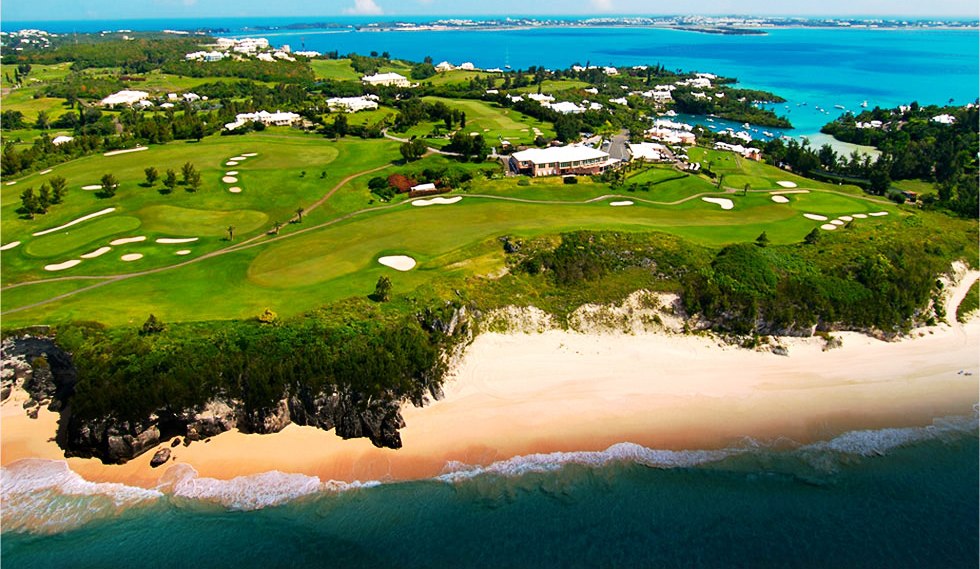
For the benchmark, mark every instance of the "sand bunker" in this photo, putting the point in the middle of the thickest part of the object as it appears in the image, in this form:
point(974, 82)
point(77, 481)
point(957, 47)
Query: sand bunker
point(837, 222)
point(437, 201)
point(127, 151)
point(79, 220)
point(398, 262)
point(10, 246)
point(785, 184)
point(815, 217)
point(620, 204)
point(828, 226)
point(235, 190)
point(97, 253)
point(878, 213)
point(229, 179)
point(846, 218)
point(43, 172)
point(229, 163)
point(126, 240)
point(860, 216)
point(62, 266)
point(232, 173)
point(172, 240)
point(250, 154)
point(780, 199)
point(239, 158)
point(11, 183)
point(91, 187)
point(725, 203)
point(131, 257)
point(183, 252)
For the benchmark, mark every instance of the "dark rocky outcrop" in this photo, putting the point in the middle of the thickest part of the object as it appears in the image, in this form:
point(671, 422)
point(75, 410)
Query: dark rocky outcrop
point(160, 457)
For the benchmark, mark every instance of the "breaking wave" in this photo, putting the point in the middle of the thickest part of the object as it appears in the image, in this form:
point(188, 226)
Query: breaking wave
point(45, 496)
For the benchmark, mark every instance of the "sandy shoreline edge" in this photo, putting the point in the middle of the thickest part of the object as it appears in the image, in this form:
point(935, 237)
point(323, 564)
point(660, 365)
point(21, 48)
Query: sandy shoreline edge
point(518, 394)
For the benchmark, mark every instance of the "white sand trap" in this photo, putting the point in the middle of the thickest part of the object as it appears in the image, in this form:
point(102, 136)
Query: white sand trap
point(229, 179)
point(846, 218)
point(232, 173)
point(437, 201)
point(235, 190)
point(173, 240)
point(43, 172)
point(878, 213)
point(183, 252)
point(828, 226)
point(815, 217)
point(127, 151)
point(231, 163)
point(91, 187)
point(10, 246)
point(126, 240)
point(97, 253)
point(785, 184)
point(238, 158)
point(76, 221)
point(860, 216)
point(620, 204)
point(62, 266)
point(398, 262)
point(131, 257)
point(11, 183)
point(780, 199)
point(250, 154)
point(837, 222)
point(725, 203)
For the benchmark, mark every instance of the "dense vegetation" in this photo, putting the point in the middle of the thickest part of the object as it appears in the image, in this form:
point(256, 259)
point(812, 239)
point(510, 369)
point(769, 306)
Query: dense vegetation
point(737, 105)
point(355, 347)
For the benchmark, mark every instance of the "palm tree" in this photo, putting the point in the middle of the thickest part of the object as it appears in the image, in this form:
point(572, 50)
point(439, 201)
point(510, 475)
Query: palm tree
point(231, 233)
point(299, 214)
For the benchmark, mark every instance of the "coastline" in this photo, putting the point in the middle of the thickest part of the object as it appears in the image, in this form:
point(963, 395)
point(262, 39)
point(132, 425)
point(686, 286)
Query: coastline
point(515, 394)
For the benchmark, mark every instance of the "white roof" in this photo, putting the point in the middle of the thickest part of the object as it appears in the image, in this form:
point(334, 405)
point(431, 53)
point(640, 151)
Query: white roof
point(566, 107)
point(62, 139)
point(125, 97)
point(559, 154)
point(423, 187)
point(378, 77)
point(648, 150)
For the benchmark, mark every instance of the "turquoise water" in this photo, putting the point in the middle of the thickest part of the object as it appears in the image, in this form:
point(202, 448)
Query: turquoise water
point(914, 507)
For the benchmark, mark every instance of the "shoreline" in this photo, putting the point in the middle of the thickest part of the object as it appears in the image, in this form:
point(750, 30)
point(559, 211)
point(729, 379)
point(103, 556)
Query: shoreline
point(590, 392)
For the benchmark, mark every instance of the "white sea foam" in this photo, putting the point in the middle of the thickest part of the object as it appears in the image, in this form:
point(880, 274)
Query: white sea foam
point(45, 496)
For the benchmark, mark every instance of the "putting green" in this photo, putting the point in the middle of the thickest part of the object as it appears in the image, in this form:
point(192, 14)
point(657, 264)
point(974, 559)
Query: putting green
point(87, 235)
point(186, 222)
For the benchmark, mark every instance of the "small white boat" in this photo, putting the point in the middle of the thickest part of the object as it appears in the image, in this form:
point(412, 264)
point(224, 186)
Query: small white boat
point(841, 107)
point(746, 125)
point(864, 105)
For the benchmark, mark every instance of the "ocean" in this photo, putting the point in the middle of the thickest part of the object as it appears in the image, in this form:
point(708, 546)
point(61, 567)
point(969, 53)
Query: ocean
point(889, 498)
point(892, 498)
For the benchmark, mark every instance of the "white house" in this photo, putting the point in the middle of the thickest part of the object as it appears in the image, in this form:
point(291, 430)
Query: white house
point(620, 101)
point(648, 151)
point(541, 98)
point(59, 140)
point(191, 97)
point(944, 119)
point(124, 97)
point(751, 153)
point(566, 108)
point(265, 57)
point(560, 160)
point(277, 118)
point(591, 91)
point(386, 79)
point(467, 66)
point(671, 136)
point(445, 66)
point(430, 187)
point(353, 104)
point(610, 71)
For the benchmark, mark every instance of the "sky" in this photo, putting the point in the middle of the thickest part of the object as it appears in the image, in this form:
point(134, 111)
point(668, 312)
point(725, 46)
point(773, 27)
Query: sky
point(46, 10)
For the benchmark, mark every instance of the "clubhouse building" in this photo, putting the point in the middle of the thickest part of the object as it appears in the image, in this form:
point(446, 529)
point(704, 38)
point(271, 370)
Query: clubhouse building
point(560, 161)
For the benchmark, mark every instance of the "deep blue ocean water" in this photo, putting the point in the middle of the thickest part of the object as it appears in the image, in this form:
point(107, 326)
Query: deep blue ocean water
point(853, 503)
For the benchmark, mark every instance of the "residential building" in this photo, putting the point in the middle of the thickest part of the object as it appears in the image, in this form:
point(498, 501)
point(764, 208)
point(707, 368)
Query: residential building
point(124, 97)
point(386, 79)
point(353, 104)
point(277, 118)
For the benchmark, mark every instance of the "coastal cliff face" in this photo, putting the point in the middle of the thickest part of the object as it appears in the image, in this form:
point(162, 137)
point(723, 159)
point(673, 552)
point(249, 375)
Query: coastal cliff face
point(47, 373)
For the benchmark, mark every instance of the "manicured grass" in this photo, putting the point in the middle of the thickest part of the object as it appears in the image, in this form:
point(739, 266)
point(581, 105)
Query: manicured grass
point(921, 187)
point(552, 86)
point(493, 122)
point(459, 76)
point(379, 115)
point(335, 69)
point(83, 237)
point(187, 222)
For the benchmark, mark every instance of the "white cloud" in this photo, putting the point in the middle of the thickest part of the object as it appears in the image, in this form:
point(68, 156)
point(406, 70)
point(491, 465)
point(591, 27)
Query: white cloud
point(365, 8)
point(602, 5)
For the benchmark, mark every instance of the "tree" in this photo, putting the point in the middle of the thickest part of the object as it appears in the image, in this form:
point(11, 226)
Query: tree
point(42, 122)
point(151, 175)
point(413, 149)
point(745, 190)
point(109, 185)
point(43, 198)
point(382, 290)
point(194, 182)
point(170, 180)
point(268, 316)
point(28, 202)
point(187, 172)
point(231, 232)
point(152, 326)
point(812, 237)
point(59, 187)
point(762, 240)
point(299, 214)
point(276, 227)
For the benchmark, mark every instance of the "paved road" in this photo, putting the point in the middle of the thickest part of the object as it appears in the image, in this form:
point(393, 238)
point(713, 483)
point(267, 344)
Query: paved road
point(617, 146)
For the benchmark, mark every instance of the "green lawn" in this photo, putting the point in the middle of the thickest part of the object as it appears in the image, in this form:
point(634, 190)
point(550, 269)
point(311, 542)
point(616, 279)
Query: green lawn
point(551, 86)
point(335, 69)
point(458, 76)
point(493, 122)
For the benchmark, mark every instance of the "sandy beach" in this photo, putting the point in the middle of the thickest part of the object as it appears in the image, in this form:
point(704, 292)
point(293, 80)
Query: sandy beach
point(517, 394)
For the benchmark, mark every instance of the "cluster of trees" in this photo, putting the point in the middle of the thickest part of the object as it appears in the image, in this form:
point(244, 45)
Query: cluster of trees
point(444, 177)
point(468, 145)
point(133, 372)
point(281, 71)
point(50, 193)
point(132, 56)
point(413, 110)
point(736, 105)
